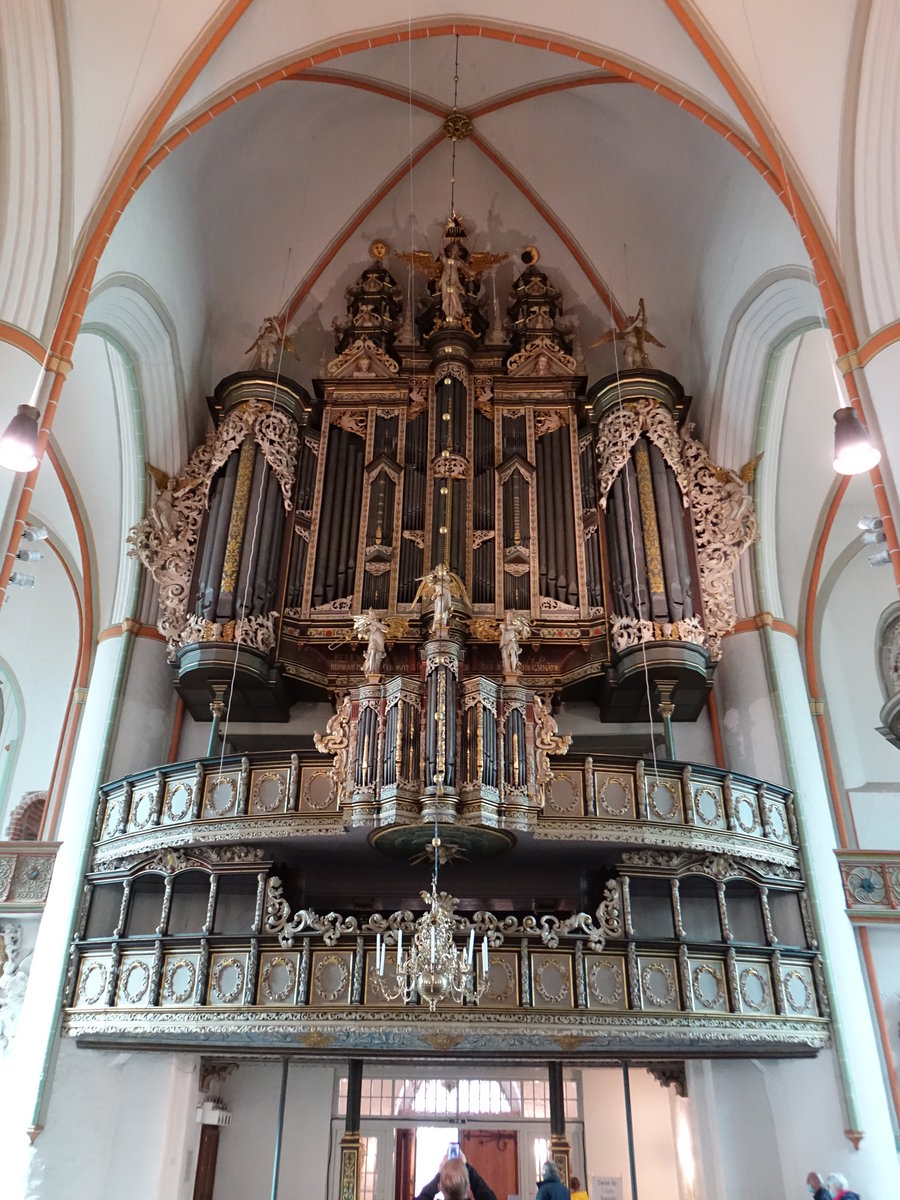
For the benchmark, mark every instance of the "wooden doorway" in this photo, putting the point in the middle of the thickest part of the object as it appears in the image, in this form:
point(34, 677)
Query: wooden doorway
point(494, 1153)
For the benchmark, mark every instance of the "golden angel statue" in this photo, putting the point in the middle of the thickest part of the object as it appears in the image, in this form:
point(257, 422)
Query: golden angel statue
point(453, 268)
point(271, 339)
point(634, 337)
point(439, 587)
point(163, 512)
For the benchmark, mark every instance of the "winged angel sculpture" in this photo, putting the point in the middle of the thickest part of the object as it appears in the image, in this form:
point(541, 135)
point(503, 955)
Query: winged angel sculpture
point(634, 338)
point(455, 267)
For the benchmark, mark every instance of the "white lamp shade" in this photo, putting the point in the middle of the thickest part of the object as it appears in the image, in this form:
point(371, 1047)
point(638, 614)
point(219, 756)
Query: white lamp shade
point(18, 445)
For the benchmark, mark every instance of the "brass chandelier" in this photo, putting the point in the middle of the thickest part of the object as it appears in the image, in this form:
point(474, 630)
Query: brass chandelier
point(435, 968)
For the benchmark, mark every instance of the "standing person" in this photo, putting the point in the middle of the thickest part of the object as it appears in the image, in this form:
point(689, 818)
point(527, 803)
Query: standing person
point(551, 1186)
point(448, 1175)
point(576, 1191)
point(835, 1187)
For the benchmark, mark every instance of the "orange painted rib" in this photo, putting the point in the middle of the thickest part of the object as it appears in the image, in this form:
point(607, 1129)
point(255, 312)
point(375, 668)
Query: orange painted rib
point(363, 84)
point(877, 342)
point(137, 170)
point(75, 300)
point(13, 336)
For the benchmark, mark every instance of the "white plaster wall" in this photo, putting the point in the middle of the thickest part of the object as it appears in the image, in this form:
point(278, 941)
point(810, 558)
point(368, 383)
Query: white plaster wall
point(146, 711)
point(884, 943)
point(876, 817)
point(246, 1147)
point(763, 1125)
point(749, 734)
point(606, 1139)
point(108, 1122)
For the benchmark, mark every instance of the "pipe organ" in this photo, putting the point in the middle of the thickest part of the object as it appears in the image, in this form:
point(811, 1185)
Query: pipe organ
point(453, 531)
point(450, 535)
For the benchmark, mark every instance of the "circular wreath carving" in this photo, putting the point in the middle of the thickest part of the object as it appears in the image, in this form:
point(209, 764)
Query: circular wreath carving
point(616, 993)
point(777, 824)
point(86, 991)
point(748, 974)
point(133, 995)
point(178, 995)
point(601, 796)
point(707, 793)
point(326, 799)
point(791, 977)
point(114, 812)
point(137, 821)
point(506, 988)
point(277, 995)
point(331, 994)
point(705, 971)
point(658, 968)
point(559, 786)
point(223, 965)
point(257, 797)
point(545, 989)
point(213, 805)
point(179, 789)
point(744, 803)
point(663, 815)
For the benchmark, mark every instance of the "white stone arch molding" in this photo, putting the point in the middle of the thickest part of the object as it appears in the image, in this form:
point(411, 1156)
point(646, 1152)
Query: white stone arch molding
point(31, 181)
point(875, 176)
point(145, 367)
point(749, 400)
point(12, 728)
